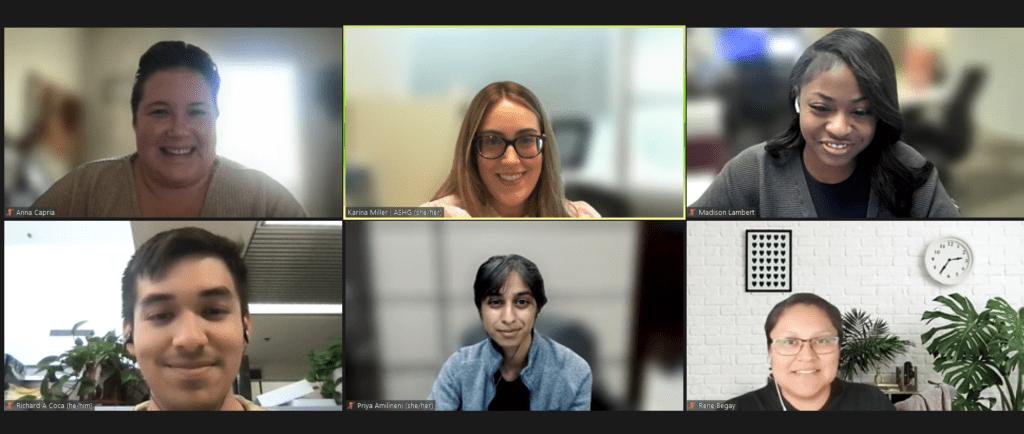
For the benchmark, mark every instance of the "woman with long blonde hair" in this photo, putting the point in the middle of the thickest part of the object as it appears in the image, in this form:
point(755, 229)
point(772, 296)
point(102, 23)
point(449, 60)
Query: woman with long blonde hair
point(489, 180)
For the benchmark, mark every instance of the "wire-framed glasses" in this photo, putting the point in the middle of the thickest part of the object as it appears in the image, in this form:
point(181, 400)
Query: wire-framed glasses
point(492, 147)
point(792, 346)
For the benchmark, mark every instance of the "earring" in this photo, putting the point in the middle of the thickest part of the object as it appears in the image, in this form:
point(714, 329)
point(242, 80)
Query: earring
point(796, 104)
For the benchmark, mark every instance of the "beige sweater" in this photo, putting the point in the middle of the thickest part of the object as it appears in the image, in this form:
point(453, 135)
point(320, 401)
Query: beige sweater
point(107, 189)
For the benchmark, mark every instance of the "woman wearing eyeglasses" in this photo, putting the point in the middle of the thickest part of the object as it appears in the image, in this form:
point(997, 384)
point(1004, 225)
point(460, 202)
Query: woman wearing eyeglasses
point(804, 334)
point(506, 161)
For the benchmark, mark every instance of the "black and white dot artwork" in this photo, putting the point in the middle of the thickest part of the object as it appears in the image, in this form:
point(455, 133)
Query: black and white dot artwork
point(769, 260)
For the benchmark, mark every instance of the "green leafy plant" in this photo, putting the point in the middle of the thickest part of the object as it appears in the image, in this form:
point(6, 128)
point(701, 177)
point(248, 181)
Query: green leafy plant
point(322, 365)
point(98, 368)
point(976, 351)
point(867, 344)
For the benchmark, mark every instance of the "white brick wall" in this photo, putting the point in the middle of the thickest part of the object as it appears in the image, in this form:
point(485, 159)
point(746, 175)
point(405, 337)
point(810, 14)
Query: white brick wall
point(875, 266)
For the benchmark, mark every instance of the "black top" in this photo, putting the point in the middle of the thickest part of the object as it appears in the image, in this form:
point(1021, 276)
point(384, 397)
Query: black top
point(847, 199)
point(844, 396)
point(510, 395)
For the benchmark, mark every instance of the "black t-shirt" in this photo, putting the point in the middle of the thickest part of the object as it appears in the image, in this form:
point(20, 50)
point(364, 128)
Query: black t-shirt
point(844, 396)
point(847, 199)
point(510, 395)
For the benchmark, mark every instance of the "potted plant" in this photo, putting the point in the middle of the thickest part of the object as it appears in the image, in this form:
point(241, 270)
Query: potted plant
point(325, 368)
point(96, 369)
point(976, 351)
point(867, 344)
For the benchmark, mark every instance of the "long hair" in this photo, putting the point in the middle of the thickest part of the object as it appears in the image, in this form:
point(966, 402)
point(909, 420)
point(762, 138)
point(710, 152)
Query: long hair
point(876, 75)
point(548, 196)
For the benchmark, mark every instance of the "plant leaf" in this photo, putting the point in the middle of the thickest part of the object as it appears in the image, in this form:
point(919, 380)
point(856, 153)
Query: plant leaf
point(1007, 345)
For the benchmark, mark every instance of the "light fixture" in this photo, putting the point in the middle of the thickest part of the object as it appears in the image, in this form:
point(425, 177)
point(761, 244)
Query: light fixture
point(292, 309)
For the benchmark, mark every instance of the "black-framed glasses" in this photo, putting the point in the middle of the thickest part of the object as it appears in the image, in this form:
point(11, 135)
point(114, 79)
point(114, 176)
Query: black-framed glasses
point(792, 346)
point(492, 147)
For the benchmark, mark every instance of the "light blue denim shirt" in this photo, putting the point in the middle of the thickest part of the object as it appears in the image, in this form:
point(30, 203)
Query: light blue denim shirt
point(558, 379)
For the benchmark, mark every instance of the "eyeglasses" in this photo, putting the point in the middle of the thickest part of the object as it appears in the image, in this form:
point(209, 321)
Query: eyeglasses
point(792, 346)
point(492, 147)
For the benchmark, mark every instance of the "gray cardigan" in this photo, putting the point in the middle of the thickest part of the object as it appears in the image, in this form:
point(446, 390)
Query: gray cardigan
point(558, 379)
point(777, 188)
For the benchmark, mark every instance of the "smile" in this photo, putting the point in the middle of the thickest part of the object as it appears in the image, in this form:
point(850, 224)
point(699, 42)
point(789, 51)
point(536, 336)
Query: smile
point(511, 177)
point(191, 372)
point(178, 151)
point(837, 145)
point(808, 371)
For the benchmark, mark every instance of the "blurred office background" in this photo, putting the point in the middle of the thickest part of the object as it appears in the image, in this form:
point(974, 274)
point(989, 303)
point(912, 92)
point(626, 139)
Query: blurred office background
point(57, 273)
point(614, 297)
point(615, 97)
point(958, 91)
point(66, 102)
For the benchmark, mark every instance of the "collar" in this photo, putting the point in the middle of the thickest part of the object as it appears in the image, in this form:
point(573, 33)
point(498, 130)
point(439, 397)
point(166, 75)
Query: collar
point(531, 355)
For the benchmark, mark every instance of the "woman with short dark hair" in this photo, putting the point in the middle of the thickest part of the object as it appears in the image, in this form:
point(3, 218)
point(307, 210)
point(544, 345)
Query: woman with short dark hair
point(516, 368)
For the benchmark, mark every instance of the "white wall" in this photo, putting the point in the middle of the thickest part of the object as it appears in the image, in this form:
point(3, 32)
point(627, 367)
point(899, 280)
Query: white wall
point(875, 266)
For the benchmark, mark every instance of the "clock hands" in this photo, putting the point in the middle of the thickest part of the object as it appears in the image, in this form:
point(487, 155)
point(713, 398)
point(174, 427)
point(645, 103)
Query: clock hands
point(947, 263)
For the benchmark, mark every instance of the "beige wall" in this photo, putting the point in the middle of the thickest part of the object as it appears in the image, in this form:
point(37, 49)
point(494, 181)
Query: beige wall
point(54, 54)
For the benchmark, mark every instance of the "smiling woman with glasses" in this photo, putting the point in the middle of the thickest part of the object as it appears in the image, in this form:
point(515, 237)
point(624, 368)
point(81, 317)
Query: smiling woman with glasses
point(487, 180)
point(804, 333)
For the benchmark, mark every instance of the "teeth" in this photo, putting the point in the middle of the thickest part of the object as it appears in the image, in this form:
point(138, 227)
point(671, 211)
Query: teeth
point(178, 151)
point(807, 372)
point(837, 145)
point(510, 177)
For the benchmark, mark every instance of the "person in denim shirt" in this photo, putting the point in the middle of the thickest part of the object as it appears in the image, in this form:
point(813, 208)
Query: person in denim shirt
point(516, 368)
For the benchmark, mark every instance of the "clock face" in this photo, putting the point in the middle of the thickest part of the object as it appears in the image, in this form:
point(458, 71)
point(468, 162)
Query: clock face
point(948, 260)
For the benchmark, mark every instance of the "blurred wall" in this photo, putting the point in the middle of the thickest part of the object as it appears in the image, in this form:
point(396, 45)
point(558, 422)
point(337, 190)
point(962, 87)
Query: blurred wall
point(423, 275)
point(876, 267)
point(54, 54)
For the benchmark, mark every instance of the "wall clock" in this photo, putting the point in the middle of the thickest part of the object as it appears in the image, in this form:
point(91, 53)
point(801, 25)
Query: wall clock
point(948, 260)
point(769, 260)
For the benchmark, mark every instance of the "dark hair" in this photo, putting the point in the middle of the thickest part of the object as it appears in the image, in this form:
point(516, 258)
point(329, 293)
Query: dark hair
point(165, 249)
point(492, 275)
point(876, 75)
point(169, 55)
point(803, 298)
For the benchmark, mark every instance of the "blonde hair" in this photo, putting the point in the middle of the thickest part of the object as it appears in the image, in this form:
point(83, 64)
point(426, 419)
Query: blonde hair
point(548, 196)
